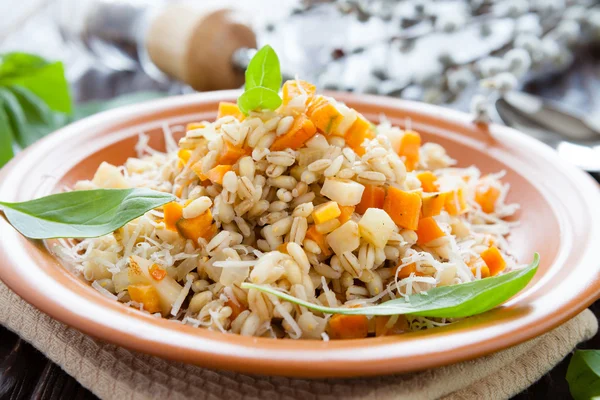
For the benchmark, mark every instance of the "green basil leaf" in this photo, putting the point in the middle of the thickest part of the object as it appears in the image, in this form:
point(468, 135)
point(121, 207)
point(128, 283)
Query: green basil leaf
point(583, 374)
point(258, 98)
point(82, 214)
point(456, 301)
point(6, 138)
point(264, 70)
point(45, 80)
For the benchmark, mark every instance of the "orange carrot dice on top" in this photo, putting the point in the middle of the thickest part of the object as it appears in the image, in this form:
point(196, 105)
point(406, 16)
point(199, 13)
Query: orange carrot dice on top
point(156, 272)
point(146, 295)
point(405, 271)
point(173, 212)
point(324, 115)
point(302, 129)
point(360, 130)
point(454, 202)
point(494, 260)
point(486, 197)
point(409, 149)
point(372, 197)
point(296, 87)
point(346, 214)
point(232, 109)
point(428, 181)
point(428, 230)
point(348, 326)
point(199, 227)
point(319, 239)
point(231, 153)
point(216, 174)
point(184, 155)
point(403, 207)
point(433, 204)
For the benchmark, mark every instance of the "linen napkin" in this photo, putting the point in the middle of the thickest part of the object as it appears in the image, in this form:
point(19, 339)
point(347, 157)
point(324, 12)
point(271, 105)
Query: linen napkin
point(112, 372)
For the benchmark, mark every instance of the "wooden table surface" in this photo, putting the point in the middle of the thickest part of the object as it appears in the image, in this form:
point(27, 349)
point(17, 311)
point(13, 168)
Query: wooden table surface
point(25, 373)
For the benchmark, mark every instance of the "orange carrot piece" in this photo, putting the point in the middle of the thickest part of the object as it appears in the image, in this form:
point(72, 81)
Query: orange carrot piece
point(296, 87)
point(146, 295)
point(383, 328)
point(372, 197)
point(428, 180)
point(302, 129)
point(217, 173)
point(403, 207)
point(324, 115)
point(346, 214)
point(428, 230)
point(433, 204)
point(484, 269)
point(236, 308)
point(319, 239)
point(360, 130)
point(184, 156)
point(230, 153)
point(409, 149)
point(494, 260)
point(405, 271)
point(282, 248)
point(173, 212)
point(157, 272)
point(199, 227)
point(226, 108)
point(348, 326)
point(455, 203)
point(487, 197)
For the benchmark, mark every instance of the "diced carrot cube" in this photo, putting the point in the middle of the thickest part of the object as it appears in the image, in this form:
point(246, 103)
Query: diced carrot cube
point(360, 130)
point(199, 227)
point(428, 230)
point(486, 197)
point(428, 181)
point(157, 272)
point(146, 295)
point(403, 207)
point(216, 174)
point(173, 212)
point(409, 149)
point(296, 87)
point(345, 214)
point(494, 260)
point(236, 308)
point(226, 108)
point(282, 248)
point(433, 204)
point(302, 129)
point(319, 239)
point(324, 115)
point(184, 157)
point(231, 153)
point(348, 326)
point(326, 211)
point(372, 197)
point(405, 271)
point(455, 203)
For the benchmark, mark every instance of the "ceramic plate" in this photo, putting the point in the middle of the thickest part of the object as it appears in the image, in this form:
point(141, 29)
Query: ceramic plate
point(559, 218)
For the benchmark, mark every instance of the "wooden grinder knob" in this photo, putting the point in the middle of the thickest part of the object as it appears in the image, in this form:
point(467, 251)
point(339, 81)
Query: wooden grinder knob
point(196, 46)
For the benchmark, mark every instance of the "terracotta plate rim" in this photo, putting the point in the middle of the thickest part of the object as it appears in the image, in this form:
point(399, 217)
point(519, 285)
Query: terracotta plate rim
point(34, 278)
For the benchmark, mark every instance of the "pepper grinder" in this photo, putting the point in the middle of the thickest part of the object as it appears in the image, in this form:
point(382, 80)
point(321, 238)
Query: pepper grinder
point(204, 45)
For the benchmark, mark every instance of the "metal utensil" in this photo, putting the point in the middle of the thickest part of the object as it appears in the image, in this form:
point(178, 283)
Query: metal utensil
point(576, 137)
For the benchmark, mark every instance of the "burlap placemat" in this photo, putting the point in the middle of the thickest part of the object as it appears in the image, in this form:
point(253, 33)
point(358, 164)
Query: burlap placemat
point(112, 372)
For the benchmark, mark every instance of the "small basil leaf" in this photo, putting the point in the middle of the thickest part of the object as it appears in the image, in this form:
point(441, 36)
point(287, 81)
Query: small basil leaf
point(6, 138)
point(264, 70)
point(258, 98)
point(456, 301)
point(82, 214)
point(583, 374)
point(46, 80)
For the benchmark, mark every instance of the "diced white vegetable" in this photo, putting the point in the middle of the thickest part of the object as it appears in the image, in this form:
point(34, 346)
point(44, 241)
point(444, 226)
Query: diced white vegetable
point(168, 289)
point(376, 227)
point(395, 136)
point(343, 191)
point(345, 238)
point(109, 177)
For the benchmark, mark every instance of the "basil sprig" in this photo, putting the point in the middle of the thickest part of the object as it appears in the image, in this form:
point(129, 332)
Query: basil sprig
point(456, 301)
point(263, 80)
point(583, 375)
point(81, 214)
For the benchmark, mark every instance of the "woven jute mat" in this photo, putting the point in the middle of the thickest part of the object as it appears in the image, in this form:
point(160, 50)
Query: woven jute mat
point(112, 372)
